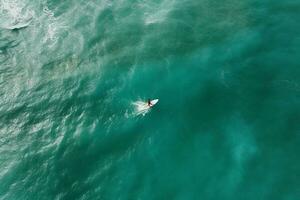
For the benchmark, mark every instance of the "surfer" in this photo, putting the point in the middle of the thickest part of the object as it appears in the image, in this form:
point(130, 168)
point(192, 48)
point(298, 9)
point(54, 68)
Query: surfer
point(149, 103)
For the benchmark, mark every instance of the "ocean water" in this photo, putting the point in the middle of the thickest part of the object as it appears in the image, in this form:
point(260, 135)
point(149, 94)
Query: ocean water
point(227, 75)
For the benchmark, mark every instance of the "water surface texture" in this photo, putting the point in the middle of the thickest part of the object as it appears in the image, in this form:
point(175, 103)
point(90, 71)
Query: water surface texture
point(73, 72)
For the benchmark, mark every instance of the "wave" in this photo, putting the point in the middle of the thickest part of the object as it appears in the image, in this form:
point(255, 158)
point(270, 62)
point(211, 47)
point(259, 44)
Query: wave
point(18, 24)
point(14, 15)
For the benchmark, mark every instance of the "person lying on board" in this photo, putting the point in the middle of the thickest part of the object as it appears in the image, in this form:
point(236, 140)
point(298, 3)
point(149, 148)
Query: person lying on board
point(149, 103)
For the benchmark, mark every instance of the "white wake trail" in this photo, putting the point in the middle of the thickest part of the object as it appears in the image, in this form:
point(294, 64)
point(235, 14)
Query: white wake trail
point(141, 108)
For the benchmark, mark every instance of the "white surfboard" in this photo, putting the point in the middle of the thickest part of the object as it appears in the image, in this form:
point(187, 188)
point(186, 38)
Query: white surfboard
point(153, 102)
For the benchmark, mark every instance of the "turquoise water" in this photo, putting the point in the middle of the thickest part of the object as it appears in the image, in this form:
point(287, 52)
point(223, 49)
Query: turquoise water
point(227, 75)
